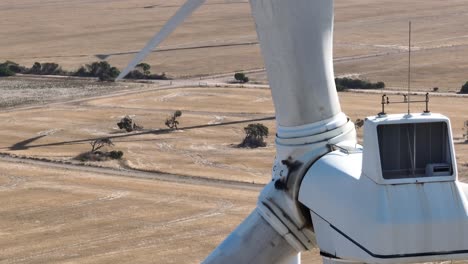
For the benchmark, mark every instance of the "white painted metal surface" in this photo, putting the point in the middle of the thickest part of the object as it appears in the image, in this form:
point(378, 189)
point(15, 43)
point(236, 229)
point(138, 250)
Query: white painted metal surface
point(254, 241)
point(359, 217)
point(372, 166)
point(296, 38)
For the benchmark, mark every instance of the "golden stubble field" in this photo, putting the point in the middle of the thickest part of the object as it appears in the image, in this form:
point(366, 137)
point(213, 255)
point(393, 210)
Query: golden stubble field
point(370, 37)
point(53, 213)
point(205, 146)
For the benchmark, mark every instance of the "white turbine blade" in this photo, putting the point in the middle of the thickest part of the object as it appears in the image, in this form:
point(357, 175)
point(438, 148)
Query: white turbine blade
point(185, 11)
point(254, 241)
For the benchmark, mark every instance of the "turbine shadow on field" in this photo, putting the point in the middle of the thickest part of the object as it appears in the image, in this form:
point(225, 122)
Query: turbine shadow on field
point(250, 43)
point(23, 145)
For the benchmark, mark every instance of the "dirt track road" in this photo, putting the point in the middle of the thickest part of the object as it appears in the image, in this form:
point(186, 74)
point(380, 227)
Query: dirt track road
point(132, 173)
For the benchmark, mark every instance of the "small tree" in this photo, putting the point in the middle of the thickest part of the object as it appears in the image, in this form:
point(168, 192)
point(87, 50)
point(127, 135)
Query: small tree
point(9, 66)
point(47, 68)
point(254, 136)
point(142, 71)
point(5, 71)
point(348, 83)
point(96, 154)
point(128, 124)
point(36, 68)
point(145, 68)
point(380, 85)
point(51, 69)
point(241, 77)
point(464, 89)
point(82, 72)
point(359, 123)
point(100, 143)
point(136, 74)
point(171, 122)
point(116, 154)
point(101, 69)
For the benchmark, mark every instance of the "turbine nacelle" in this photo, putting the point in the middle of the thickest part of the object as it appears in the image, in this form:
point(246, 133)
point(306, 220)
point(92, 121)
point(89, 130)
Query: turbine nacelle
point(397, 200)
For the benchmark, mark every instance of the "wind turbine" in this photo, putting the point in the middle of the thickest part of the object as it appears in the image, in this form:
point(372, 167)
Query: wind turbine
point(398, 200)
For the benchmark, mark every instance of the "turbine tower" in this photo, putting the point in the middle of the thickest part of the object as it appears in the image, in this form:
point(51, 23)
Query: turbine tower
point(391, 202)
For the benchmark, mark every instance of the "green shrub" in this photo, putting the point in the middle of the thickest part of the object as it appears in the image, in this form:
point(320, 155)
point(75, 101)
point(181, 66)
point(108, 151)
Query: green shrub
point(14, 67)
point(142, 72)
point(136, 74)
point(464, 89)
point(47, 68)
point(254, 136)
point(128, 124)
point(155, 76)
point(36, 68)
point(101, 69)
point(52, 69)
point(144, 67)
point(97, 153)
point(348, 83)
point(10, 68)
point(241, 77)
point(380, 85)
point(116, 154)
point(5, 71)
point(358, 123)
point(82, 72)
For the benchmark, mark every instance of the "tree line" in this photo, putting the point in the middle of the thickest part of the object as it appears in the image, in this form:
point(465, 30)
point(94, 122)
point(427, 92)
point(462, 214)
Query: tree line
point(100, 69)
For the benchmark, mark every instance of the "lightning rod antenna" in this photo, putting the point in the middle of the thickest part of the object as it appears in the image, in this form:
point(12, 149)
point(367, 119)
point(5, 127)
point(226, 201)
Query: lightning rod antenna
point(409, 68)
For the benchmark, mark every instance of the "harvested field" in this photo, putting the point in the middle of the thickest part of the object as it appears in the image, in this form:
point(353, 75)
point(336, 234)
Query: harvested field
point(62, 131)
point(57, 215)
point(203, 147)
point(116, 216)
point(370, 38)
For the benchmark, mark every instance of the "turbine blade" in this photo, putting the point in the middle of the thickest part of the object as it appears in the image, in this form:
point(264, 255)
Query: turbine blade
point(185, 11)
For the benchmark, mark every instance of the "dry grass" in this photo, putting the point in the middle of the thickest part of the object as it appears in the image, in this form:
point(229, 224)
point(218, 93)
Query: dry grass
point(370, 40)
point(28, 90)
point(201, 148)
point(62, 131)
point(56, 215)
